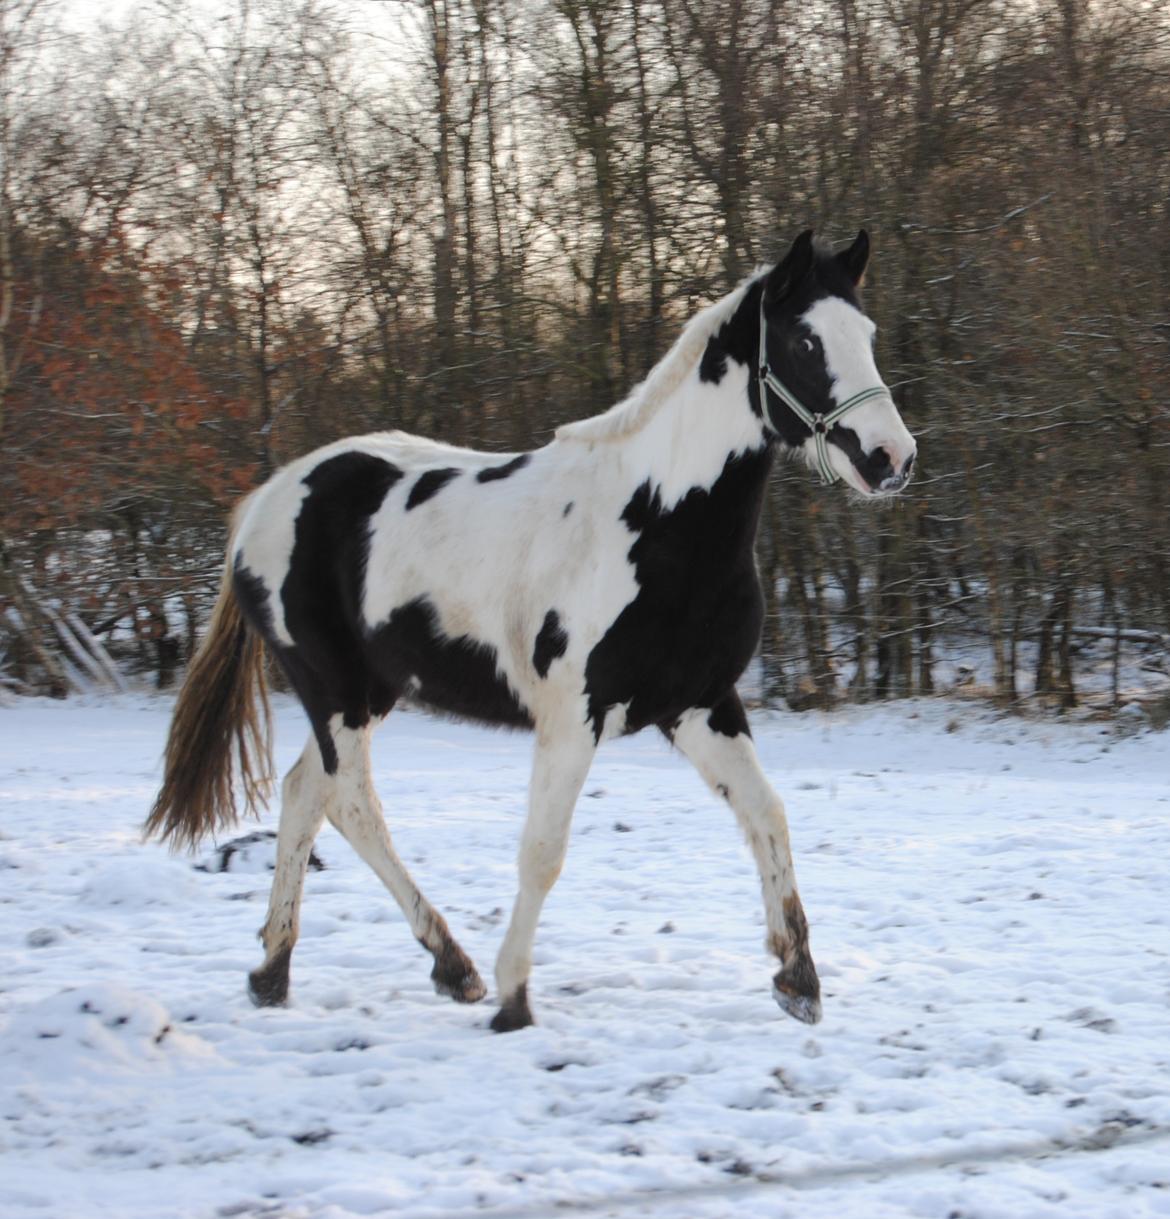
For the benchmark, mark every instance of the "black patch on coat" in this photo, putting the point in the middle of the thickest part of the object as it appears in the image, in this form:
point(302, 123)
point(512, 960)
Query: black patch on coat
point(493, 473)
point(695, 622)
point(728, 717)
point(713, 365)
point(568, 508)
point(428, 484)
point(458, 676)
point(252, 594)
point(321, 596)
point(551, 641)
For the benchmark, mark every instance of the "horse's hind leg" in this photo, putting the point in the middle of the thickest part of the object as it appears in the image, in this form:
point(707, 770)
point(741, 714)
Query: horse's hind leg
point(559, 768)
point(717, 741)
point(303, 807)
point(357, 813)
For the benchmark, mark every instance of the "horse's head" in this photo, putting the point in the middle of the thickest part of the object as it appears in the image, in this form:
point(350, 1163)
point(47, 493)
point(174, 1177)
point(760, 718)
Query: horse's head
point(819, 386)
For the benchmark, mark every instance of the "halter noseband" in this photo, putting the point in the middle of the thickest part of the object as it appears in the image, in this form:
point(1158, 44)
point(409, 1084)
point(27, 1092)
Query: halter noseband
point(819, 425)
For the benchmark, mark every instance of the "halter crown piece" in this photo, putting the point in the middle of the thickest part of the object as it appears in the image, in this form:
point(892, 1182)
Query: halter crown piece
point(819, 425)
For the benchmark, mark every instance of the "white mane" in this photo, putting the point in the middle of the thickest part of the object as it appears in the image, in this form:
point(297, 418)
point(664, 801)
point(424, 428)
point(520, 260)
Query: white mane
point(644, 400)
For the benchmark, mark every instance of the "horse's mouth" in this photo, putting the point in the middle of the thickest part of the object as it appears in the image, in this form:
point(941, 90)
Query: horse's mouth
point(891, 485)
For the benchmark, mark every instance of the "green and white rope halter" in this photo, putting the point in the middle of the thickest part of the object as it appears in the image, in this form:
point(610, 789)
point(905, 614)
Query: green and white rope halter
point(818, 424)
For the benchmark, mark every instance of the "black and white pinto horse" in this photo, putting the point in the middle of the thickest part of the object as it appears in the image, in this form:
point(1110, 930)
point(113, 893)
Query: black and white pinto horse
point(591, 588)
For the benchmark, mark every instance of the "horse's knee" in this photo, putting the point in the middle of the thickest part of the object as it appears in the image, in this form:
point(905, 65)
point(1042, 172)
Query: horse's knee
point(540, 865)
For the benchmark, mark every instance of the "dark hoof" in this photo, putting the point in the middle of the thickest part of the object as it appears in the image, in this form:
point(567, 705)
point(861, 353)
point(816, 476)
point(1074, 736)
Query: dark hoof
point(798, 991)
point(455, 975)
point(268, 985)
point(514, 1013)
point(466, 987)
point(805, 1008)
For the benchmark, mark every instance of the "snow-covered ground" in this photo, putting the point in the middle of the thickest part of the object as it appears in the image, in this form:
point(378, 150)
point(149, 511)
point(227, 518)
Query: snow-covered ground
point(988, 904)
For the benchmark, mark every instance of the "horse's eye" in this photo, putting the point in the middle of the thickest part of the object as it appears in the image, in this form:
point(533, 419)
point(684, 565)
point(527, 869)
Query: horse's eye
point(807, 346)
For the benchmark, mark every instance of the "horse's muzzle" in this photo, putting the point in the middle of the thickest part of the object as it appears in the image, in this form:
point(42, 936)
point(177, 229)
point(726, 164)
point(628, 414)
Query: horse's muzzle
point(897, 479)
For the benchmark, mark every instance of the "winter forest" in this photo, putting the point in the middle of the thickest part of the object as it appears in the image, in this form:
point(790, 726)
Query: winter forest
point(229, 236)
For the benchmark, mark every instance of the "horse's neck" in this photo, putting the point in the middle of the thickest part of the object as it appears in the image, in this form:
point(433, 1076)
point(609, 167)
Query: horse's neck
point(687, 444)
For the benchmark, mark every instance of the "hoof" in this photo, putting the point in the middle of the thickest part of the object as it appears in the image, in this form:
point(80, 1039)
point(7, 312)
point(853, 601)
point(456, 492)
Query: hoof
point(268, 985)
point(455, 975)
point(798, 990)
point(466, 988)
point(805, 1008)
point(514, 1013)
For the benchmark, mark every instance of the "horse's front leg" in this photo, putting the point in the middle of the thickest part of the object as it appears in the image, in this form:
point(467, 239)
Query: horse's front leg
point(719, 744)
point(559, 767)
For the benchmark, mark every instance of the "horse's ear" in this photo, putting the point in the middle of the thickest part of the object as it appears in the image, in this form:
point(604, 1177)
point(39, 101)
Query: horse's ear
point(855, 258)
point(792, 268)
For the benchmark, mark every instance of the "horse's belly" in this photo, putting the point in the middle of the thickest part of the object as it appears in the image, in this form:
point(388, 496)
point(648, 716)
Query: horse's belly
point(458, 676)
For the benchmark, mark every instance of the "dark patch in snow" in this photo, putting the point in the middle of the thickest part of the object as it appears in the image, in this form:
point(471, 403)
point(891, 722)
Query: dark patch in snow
point(311, 1137)
point(659, 1088)
point(1091, 1018)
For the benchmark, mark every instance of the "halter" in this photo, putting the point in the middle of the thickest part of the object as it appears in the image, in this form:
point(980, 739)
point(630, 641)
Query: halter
point(818, 424)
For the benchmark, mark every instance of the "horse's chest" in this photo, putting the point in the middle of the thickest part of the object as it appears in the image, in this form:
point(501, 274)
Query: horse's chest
point(682, 642)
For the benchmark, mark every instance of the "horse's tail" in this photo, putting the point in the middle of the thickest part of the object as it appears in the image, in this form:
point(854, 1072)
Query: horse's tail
point(222, 723)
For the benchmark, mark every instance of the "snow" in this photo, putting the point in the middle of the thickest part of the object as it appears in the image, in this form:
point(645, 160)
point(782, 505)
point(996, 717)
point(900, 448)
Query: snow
point(987, 900)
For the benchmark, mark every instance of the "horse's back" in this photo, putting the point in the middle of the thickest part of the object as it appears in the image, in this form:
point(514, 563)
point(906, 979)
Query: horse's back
point(389, 565)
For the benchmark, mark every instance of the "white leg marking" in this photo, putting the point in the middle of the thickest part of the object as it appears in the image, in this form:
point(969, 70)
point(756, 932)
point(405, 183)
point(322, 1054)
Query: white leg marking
point(304, 797)
point(559, 767)
point(357, 813)
point(732, 769)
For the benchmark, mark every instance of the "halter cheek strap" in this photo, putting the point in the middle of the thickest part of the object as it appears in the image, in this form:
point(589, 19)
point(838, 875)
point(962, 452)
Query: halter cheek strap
point(818, 424)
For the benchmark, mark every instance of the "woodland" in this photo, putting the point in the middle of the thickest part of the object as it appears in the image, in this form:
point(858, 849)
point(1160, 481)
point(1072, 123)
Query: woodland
point(230, 234)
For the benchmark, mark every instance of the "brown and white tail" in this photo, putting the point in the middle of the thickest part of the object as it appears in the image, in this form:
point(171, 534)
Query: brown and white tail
point(221, 725)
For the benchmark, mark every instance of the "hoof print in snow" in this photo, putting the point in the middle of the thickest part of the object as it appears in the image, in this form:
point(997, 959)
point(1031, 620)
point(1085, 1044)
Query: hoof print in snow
point(1112, 1129)
point(660, 1088)
point(98, 1025)
point(731, 1163)
point(255, 852)
point(1091, 1018)
point(311, 1137)
point(42, 937)
point(560, 1064)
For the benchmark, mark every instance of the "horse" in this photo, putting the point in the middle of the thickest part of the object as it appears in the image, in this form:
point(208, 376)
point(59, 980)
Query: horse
point(602, 584)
